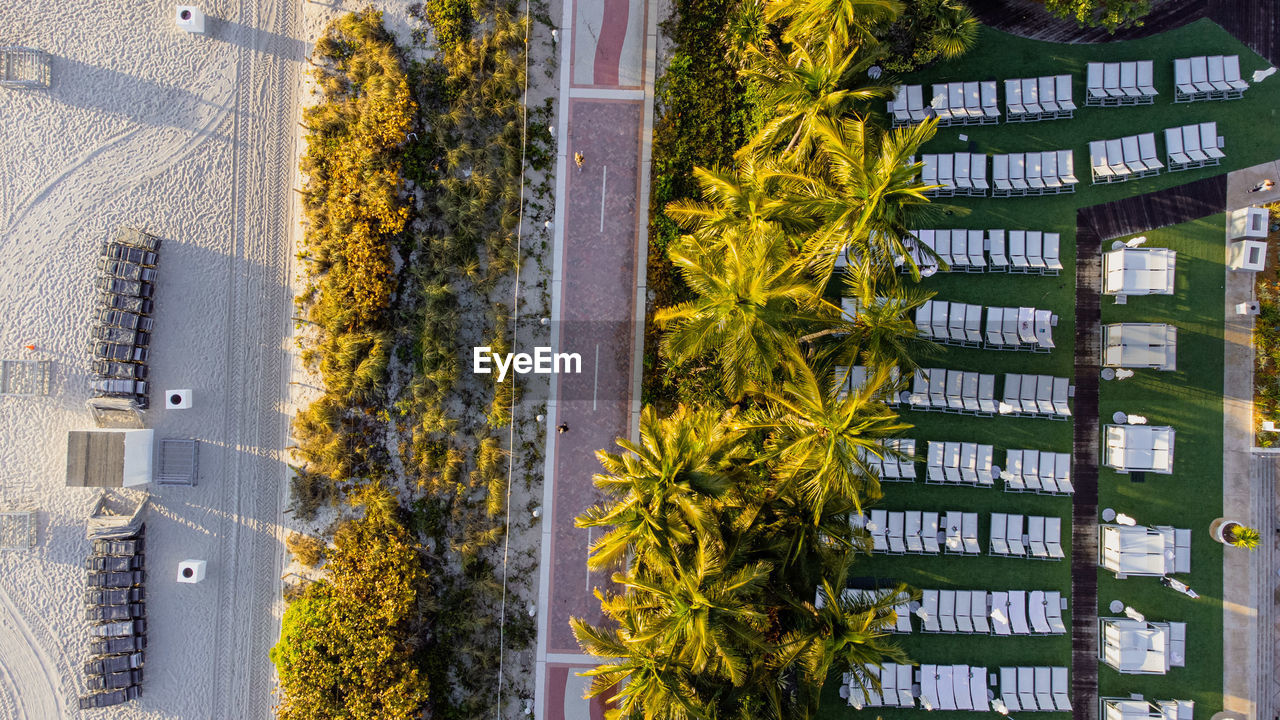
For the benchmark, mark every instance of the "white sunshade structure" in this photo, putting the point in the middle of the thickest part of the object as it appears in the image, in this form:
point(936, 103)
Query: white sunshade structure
point(1140, 345)
point(1138, 271)
point(1140, 448)
point(1139, 550)
point(1142, 648)
point(1138, 708)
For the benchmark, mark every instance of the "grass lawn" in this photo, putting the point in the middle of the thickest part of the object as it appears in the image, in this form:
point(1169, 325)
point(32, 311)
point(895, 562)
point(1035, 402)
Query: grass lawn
point(1190, 399)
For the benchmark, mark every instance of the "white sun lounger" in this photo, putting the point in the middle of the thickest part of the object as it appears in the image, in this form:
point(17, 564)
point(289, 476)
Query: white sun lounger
point(1067, 169)
point(934, 465)
point(1174, 155)
point(915, 103)
point(1191, 143)
point(1052, 250)
point(1053, 613)
point(964, 616)
point(1184, 89)
point(1063, 95)
point(1111, 81)
point(995, 250)
point(905, 697)
point(978, 688)
point(1096, 94)
point(1209, 141)
point(1009, 327)
point(962, 183)
point(1049, 170)
point(1012, 390)
point(937, 380)
point(1146, 86)
point(1029, 384)
point(970, 387)
point(1129, 79)
point(1047, 87)
point(973, 325)
point(929, 605)
point(1061, 390)
point(985, 456)
point(947, 610)
point(1147, 145)
point(1000, 614)
point(977, 261)
point(1061, 689)
point(955, 543)
point(1044, 688)
point(946, 688)
point(912, 532)
point(1098, 161)
point(1012, 475)
point(889, 685)
point(969, 462)
point(1017, 173)
point(1035, 173)
point(1031, 470)
point(1200, 75)
point(990, 105)
point(897, 544)
point(1035, 536)
point(1013, 534)
point(987, 395)
point(1017, 251)
point(1231, 68)
point(1062, 474)
point(1115, 157)
point(1037, 609)
point(951, 461)
point(1031, 96)
point(1053, 537)
point(969, 531)
point(1018, 612)
point(929, 533)
point(1009, 688)
point(995, 320)
point(1026, 688)
point(878, 528)
point(960, 686)
point(998, 544)
point(1000, 175)
point(978, 611)
point(955, 378)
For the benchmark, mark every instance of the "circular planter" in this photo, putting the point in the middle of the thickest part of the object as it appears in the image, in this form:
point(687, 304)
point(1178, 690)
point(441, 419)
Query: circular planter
point(1222, 529)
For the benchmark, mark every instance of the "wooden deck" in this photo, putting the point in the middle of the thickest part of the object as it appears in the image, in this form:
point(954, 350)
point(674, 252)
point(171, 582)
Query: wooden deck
point(1162, 208)
point(1253, 22)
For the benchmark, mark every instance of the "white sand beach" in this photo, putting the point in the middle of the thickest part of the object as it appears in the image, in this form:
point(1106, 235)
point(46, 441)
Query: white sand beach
point(191, 139)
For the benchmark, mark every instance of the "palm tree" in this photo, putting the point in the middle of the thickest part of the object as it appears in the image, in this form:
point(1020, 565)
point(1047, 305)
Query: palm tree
point(661, 488)
point(751, 300)
point(748, 200)
point(819, 438)
point(882, 331)
point(839, 24)
point(957, 29)
point(868, 194)
point(802, 87)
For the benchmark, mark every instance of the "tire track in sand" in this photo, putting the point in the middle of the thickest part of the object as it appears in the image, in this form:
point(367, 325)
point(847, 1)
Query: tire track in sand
point(32, 669)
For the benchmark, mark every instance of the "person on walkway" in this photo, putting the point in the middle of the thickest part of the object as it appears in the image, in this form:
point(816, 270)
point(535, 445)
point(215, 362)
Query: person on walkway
point(1264, 185)
point(578, 158)
point(562, 428)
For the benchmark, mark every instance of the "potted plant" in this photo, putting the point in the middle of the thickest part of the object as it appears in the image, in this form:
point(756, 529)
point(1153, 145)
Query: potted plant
point(1237, 534)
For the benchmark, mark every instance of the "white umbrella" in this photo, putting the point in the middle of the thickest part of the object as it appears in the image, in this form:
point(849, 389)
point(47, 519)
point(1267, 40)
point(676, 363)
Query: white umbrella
point(1260, 75)
point(1122, 519)
point(1134, 614)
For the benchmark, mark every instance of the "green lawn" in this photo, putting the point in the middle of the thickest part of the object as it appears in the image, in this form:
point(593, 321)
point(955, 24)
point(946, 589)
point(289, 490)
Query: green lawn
point(1189, 399)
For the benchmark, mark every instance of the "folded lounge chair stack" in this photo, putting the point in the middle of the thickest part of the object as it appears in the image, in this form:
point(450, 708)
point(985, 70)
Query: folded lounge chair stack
point(957, 174)
point(1035, 689)
point(1035, 173)
point(960, 463)
point(122, 332)
point(1036, 396)
point(1193, 146)
point(1122, 83)
point(907, 105)
point(115, 606)
point(919, 532)
point(1124, 158)
point(1044, 98)
point(1037, 471)
point(956, 391)
point(1216, 77)
point(965, 103)
point(1022, 328)
point(953, 687)
point(1041, 538)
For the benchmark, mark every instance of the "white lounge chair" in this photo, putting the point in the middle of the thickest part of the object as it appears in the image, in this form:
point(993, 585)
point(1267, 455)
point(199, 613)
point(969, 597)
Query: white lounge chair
point(1061, 689)
point(964, 616)
point(1053, 537)
point(1000, 615)
point(1035, 536)
point(969, 532)
point(912, 532)
point(929, 533)
point(929, 606)
point(1013, 535)
point(895, 535)
point(947, 610)
point(998, 545)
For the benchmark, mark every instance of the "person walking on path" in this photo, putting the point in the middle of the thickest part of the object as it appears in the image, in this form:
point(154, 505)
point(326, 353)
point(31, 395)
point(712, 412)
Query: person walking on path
point(578, 158)
point(562, 428)
point(1264, 185)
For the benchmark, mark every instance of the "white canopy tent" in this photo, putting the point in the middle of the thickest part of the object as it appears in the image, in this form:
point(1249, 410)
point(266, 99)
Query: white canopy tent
point(1138, 271)
point(1141, 648)
point(1141, 448)
point(1134, 550)
point(1138, 708)
point(1140, 345)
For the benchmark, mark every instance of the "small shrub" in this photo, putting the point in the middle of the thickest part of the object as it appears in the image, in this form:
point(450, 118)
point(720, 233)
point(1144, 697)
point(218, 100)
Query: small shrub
point(307, 549)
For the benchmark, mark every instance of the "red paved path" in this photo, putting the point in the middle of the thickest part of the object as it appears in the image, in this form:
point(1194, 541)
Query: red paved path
point(598, 291)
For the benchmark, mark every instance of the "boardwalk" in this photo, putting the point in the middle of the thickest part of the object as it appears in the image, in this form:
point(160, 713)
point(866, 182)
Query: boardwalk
point(1253, 22)
point(1171, 206)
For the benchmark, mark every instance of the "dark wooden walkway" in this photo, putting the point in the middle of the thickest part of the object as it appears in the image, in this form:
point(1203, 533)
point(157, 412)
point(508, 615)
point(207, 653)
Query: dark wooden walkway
point(1096, 226)
point(1253, 22)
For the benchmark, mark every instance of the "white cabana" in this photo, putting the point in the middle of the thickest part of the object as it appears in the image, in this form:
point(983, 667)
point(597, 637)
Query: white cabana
point(1138, 271)
point(1138, 708)
point(1135, 550)
point(1142, 648)
point(1140, 345)
point(1247, 222)
point(1140, 448)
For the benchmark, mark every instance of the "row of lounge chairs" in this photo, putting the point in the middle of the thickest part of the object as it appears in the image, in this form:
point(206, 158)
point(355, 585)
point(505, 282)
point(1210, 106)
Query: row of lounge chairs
point(1213, 77)
point(920, 532)
point(1021, 328)
point(852, 378)
point(960, 463)
point(937, 687)
point(974, 251)
point(115, 606)
point(1120, 83)
point(902, 611)
point(1032, 689)
point(1044, 98)
point(955, 174)
point(1052, 172)
point(122, 333)
point(1193, 146)
point(965, 103)
point(1037, 471)
point(957, 391)
point(894, 462)
point(1015, 612)
point(1124, 158)
point(1036, 396)
point(1042, 537)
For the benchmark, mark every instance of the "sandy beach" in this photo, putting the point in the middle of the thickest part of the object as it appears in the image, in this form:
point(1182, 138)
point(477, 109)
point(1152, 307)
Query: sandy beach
point(191, 139)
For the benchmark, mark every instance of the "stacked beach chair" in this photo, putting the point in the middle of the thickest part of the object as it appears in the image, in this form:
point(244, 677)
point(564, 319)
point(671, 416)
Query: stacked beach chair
point(1036, 396)
point(965, 103)
point(960, 463)
point(1193, 146)
point(955, 391)
point(1120, 83)
point(122, 331)
point(1003, 614)
point(1213, 77)
point(1124, 158)
point(1041, 538)
point(115, 606)
point(1020, 328)
point(1034, 689)
point(1034, 99)
point(956, 174)
point(1034, 173)
point(1037, 471)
